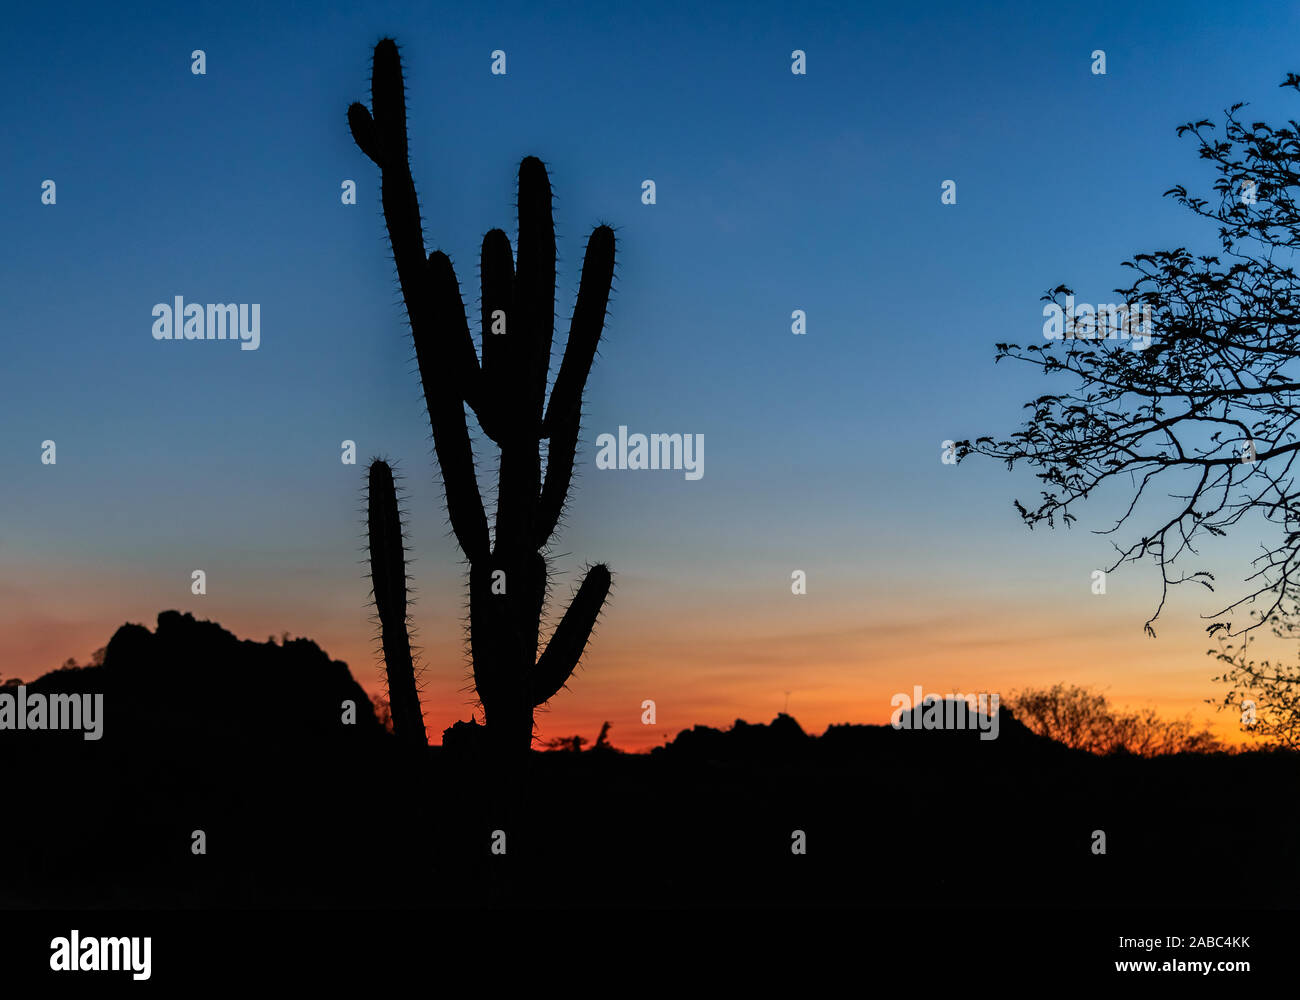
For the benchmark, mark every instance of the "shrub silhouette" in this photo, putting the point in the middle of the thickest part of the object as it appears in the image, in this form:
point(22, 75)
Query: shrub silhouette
point(569, 744)
point(1085, 720)
point(388, 577)
point(507, 393)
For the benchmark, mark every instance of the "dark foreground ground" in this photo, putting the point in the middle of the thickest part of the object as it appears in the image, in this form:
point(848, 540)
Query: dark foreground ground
point(299, 810)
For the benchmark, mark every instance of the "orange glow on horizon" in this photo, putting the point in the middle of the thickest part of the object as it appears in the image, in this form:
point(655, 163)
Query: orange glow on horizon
point(711, 667)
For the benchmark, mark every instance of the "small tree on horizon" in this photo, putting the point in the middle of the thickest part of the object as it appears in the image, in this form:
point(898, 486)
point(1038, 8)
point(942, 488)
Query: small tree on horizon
point(1084, 719)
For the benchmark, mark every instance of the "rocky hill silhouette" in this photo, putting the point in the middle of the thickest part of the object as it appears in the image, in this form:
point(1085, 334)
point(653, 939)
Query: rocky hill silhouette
point(201, 731)
point(244, 741)
point(191, 682)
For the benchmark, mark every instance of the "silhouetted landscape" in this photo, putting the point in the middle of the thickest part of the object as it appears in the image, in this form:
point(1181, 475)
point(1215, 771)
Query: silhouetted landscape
point(300, 809)
point(497, 271)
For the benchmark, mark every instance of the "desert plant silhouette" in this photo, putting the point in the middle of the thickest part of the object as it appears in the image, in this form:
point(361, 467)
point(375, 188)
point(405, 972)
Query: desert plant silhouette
point(388, 577)
point(508, 571)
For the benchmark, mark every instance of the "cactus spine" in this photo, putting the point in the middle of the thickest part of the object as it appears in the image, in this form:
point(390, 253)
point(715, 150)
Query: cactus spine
point(507, 392)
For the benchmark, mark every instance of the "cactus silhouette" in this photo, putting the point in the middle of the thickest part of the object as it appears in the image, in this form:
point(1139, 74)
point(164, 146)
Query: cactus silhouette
point(506, 390)
point(388, 577)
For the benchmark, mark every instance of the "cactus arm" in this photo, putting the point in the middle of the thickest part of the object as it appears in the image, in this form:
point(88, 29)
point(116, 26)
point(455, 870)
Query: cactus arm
point(362, 126)
point(531, 324)
point(562, 653)
point(388, 101)
point(388, 578)
point(585, 328)
point(432, 297)
point(560, 453)
point(451, 346)
point(380, 133)
point(564, 413)
point(446, 407)
point(534, 300)
point(497, 279)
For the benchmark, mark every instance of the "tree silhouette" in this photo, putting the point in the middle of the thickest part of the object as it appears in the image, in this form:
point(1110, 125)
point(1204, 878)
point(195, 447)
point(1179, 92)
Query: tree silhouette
point(505, 388)
point(1084, 719)
point(1208, 413)
point(1265, 692)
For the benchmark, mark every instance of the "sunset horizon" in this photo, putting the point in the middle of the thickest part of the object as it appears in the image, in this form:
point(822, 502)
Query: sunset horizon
point(740, 480)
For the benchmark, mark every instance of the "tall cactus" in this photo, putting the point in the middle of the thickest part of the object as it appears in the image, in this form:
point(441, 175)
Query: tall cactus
point(388, 577)
point(506, 390)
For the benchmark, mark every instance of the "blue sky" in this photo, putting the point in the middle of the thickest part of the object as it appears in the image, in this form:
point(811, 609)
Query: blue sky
point(775, 192)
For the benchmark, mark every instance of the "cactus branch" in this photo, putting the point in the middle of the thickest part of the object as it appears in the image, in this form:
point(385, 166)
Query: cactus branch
point(585, 328)
point(388, 577)
point(564, 650)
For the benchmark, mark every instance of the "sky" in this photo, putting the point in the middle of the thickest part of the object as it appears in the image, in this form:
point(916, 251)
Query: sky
point(775, 192)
